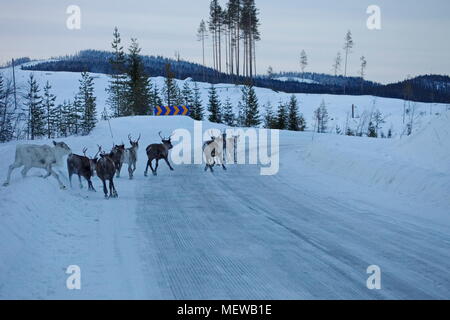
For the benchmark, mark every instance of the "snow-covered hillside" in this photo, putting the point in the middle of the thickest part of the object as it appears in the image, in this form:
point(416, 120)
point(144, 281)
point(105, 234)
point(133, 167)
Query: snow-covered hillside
point(65, 86)
point(338, 205)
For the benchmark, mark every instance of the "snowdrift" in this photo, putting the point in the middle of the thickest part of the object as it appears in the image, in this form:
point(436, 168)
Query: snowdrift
point(417, 166)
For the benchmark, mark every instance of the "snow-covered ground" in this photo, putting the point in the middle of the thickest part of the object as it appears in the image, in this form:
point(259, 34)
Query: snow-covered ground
point(338, 205)
point(297, 80)
point(65, 85)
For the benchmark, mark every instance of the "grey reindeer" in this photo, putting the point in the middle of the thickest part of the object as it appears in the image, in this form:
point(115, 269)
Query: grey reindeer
point(158, 152)
point(130, 156)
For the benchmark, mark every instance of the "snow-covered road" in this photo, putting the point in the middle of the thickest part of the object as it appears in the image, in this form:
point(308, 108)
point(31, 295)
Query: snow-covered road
point(187, 234)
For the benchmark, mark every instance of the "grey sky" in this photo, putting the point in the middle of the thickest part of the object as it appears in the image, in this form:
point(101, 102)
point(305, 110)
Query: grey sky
point(414, 38)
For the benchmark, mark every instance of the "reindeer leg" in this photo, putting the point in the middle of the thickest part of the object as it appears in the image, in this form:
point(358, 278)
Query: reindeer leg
point(55, 175)
point(25, 171)
point(70, 179)
point(168, 163)
point(155, 173)
point(81, 184)
point(10, 170)
point(112, 189)
point(130, 172)
point(90, 185)
point(105, 189)
point(146, 168)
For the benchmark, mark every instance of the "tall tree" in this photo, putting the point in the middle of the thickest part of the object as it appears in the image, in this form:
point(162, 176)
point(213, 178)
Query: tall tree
point(303, 62)
point(269, 117)
point(86, 101)
point(187, 94)
point(36, 112)
point(117, 88)
point(250, 34)
point(214, 106)
point(138, 83)
point(362, 71)
point(337, 64)
point(50, 111)
point(196, 108)
point(6, 115)
point(202, 34)
point(348, 45)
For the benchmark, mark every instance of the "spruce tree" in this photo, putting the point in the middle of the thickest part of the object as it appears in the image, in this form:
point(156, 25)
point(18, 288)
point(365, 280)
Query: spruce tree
point(6, 125)
point(50, 111)
point(372, 131)
point(250, 107)
point(214, 106)
point(269, 118)
point(228, 114)
point(197, 108)
point(187, 94)
point(117, 88)
point(87, 104)
point(36, 112)
point(293, 117)
point(170, 89)
point(154, 98)
point(138, 83)
point(282, 118)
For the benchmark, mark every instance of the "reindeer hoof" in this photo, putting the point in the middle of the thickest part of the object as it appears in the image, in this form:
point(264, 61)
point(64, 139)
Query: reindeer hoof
point(155, 174)
point(63, 187)
point(172, 169)
point(6, 184)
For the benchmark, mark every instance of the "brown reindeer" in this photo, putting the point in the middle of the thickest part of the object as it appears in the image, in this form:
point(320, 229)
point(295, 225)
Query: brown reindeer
point(82, 166)
point(106, 170)
point(117, 156)
point(158, 152)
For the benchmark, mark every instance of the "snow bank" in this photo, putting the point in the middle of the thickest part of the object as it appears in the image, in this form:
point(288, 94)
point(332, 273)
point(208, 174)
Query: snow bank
point(417, 166)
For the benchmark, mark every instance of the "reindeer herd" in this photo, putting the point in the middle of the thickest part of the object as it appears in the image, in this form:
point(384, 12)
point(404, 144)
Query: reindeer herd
point(108, 165)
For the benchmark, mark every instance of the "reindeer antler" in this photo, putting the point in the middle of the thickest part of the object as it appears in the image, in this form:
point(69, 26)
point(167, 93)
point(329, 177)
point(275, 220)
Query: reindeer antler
point(84, 151)
point(129, 137)
point(160, 135)
point(98, 152)
point(139, 138)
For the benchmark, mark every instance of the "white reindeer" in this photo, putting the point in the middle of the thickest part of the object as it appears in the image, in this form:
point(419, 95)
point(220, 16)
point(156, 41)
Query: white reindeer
point(35, 156)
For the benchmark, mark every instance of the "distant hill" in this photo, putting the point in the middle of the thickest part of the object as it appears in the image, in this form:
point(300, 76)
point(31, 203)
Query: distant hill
point(427, 88)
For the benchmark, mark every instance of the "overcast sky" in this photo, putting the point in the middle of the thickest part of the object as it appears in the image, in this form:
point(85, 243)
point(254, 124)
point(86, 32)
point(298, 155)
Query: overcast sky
point(414, 38)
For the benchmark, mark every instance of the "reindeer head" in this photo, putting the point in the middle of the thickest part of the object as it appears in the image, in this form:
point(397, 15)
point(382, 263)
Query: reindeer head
point(62, 148)
point(134, 144)
point(166, 141)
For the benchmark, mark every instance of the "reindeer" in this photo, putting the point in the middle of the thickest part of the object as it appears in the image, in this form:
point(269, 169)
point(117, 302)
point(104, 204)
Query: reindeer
point(130, 156)
point(106, 170)
point(35, 156)
point(82, 166)
point(158, 152)
point(117, 156)
point(213, 151)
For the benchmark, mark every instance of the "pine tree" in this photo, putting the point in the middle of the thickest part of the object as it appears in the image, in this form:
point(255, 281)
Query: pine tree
point(282, 118)
point(154, 98)
point(347, 48)
point(228, 114)
point(36, 112)
point(214, 106)
point(187, 94)
point(337, 64)
point(138, 83)
point(170, 89)
point(86, 104)
point(269, 118)
point(50, 112)
point(293, 116)
point(117, 89)
point(6, 125)
point(196, 108)
point(250, 107)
